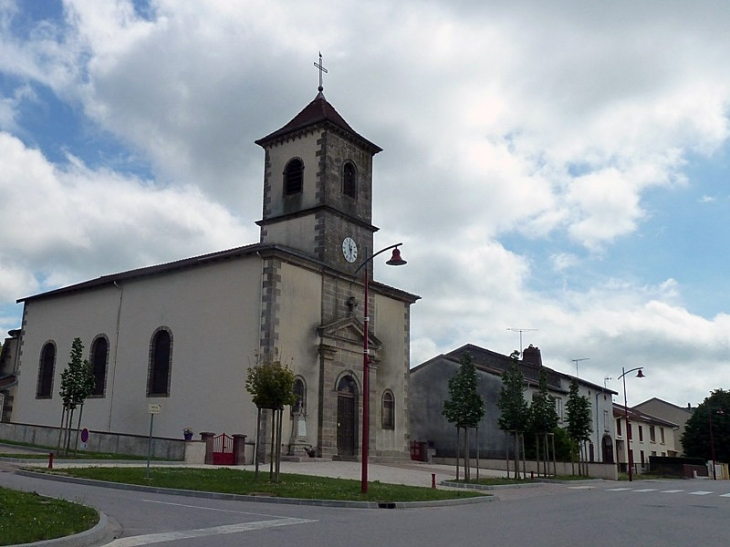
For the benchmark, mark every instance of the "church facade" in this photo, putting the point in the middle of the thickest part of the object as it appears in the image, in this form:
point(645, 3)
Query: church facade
point(182, 335)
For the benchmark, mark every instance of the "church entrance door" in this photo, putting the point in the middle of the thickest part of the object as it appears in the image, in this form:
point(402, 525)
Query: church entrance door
point(346, 425)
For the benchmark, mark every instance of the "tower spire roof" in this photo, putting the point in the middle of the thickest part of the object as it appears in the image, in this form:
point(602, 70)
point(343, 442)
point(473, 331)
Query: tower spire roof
point(317, 112)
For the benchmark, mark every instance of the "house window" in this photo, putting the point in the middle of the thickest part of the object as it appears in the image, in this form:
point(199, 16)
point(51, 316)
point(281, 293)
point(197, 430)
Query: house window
point(293, 177)
point(388, 410)
point(349, 180)
point(46, 368)
point(559, 408)
point(618, 428)
point(99, 360)
point(158, 381)
point(299, 406)
point(606, 421)
point(661, 434)
point(652, 434)
point(641, 434)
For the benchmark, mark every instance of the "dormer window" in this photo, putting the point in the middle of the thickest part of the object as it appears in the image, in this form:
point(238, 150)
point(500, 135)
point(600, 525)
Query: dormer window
point(349, 180)
point(293, 177)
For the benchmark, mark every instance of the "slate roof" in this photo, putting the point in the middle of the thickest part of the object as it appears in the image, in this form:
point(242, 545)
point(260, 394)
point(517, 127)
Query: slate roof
point(317, 112)
point(496, 363)
point(637, 416)
point(149, 271)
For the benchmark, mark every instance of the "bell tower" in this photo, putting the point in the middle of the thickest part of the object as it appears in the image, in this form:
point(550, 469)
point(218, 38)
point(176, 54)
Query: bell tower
point(318, 186)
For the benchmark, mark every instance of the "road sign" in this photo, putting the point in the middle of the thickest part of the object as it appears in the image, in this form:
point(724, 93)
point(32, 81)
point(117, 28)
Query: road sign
point(154, 408)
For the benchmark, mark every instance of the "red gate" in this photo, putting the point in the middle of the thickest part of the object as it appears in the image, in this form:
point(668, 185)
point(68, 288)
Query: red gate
point(223, 450)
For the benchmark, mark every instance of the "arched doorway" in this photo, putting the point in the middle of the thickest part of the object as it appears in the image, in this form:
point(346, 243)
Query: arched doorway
point(607, 449)
point(346, 416)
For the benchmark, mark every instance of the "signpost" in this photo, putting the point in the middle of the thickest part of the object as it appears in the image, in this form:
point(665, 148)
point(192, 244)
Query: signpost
point(152, 409)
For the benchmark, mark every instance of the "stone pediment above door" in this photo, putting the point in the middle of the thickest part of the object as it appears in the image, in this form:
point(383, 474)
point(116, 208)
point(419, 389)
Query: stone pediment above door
point(347, 333)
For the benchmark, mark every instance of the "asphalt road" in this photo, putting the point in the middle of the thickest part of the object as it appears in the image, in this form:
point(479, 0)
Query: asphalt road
point(666, 513)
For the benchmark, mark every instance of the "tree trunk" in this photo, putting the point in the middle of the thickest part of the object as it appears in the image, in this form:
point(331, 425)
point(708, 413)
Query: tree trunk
point(506, 452)
point(476, 434)
point(258, 443)
point(78, 428)
point(271, 450)
point(60, 429)
point(517, 455)
point(467, 456)
point(458, 445)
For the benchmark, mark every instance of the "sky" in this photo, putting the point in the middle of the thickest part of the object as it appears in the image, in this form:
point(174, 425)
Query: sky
point(556, 167)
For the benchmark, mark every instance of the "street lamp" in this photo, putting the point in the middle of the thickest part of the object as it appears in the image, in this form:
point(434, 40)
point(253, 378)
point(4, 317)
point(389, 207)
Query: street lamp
point(712, 441)
point(626, 416)
point(395, 260)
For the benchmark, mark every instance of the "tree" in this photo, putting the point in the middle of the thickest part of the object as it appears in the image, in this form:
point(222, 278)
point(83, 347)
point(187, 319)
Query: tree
point(543, 419)
point(272, 386)
point(77, 383)
point(465, 407)
point(696, 436)
point(513, 406)
point(578, 410)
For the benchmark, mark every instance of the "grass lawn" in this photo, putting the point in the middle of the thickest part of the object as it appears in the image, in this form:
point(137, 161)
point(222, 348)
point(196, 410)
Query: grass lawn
point(236, 481)
point(27, 517)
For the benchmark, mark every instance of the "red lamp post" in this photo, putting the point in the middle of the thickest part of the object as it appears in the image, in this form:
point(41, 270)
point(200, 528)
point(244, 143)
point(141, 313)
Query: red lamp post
point(395, 260)
point(626, 416)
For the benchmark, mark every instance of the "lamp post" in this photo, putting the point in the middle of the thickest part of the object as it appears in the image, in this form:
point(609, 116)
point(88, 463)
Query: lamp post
point(395, 260)
point(626, 416)
point(712, 441)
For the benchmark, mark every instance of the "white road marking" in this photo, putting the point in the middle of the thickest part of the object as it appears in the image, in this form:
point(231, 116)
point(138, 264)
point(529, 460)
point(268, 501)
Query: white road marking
point(671, 491)
point(148, 539)
point(581, 487)
point(200, 507)
point(646, 490)
point(725, 495)
point(700, 493)
point(617, 489)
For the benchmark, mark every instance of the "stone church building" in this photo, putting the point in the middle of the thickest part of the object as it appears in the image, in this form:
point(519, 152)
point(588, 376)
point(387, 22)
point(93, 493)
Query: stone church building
point(183, 334)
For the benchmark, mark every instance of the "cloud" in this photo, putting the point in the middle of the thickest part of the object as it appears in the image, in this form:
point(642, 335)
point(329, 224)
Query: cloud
point(61, 226)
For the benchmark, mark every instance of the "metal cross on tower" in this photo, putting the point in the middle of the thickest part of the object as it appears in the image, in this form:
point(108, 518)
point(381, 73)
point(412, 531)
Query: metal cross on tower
point(321, 70)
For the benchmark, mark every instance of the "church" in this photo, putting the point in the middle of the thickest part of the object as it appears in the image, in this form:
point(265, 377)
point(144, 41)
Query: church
point(180, 336)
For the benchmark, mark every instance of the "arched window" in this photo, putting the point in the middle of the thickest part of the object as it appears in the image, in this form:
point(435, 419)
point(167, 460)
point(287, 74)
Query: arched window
point(158, 378)
point(99, 361)
point(349, 180)
point(300, 394)
point(46, 368)
point(293, 177)
point(388, 416)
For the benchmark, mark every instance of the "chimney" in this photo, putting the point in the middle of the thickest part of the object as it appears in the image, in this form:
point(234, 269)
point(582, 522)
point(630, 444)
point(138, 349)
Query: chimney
point(532, 356)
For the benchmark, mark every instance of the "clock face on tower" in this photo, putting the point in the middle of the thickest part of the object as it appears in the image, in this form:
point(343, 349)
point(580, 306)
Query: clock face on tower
point(349, 249)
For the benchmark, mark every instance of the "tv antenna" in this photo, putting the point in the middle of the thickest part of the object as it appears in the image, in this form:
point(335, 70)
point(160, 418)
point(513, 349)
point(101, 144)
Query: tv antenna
point(521, 331)
point(576, 361)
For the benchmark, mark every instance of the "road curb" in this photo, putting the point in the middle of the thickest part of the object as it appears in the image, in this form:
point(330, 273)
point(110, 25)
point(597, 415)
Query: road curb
point(103, 532)
point(259, 499)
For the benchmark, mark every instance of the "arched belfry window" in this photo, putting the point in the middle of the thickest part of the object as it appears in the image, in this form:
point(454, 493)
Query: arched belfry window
point(293, 177)
point(46, 369)
point(160, 367)
point(300, 396)
point(99, 362)
point(388, 415)
point(349, 180)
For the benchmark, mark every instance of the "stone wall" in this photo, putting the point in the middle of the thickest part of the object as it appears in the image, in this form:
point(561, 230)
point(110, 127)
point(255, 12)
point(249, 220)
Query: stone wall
point(113, 443)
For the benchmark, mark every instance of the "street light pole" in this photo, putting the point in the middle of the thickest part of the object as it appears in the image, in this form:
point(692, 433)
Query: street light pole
point(712, 441)
point(395, 260)
point(626, 418)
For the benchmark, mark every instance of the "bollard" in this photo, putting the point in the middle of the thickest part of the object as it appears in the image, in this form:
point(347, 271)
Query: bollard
point(532, 474)
point(50, 460)
point(433, 480)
